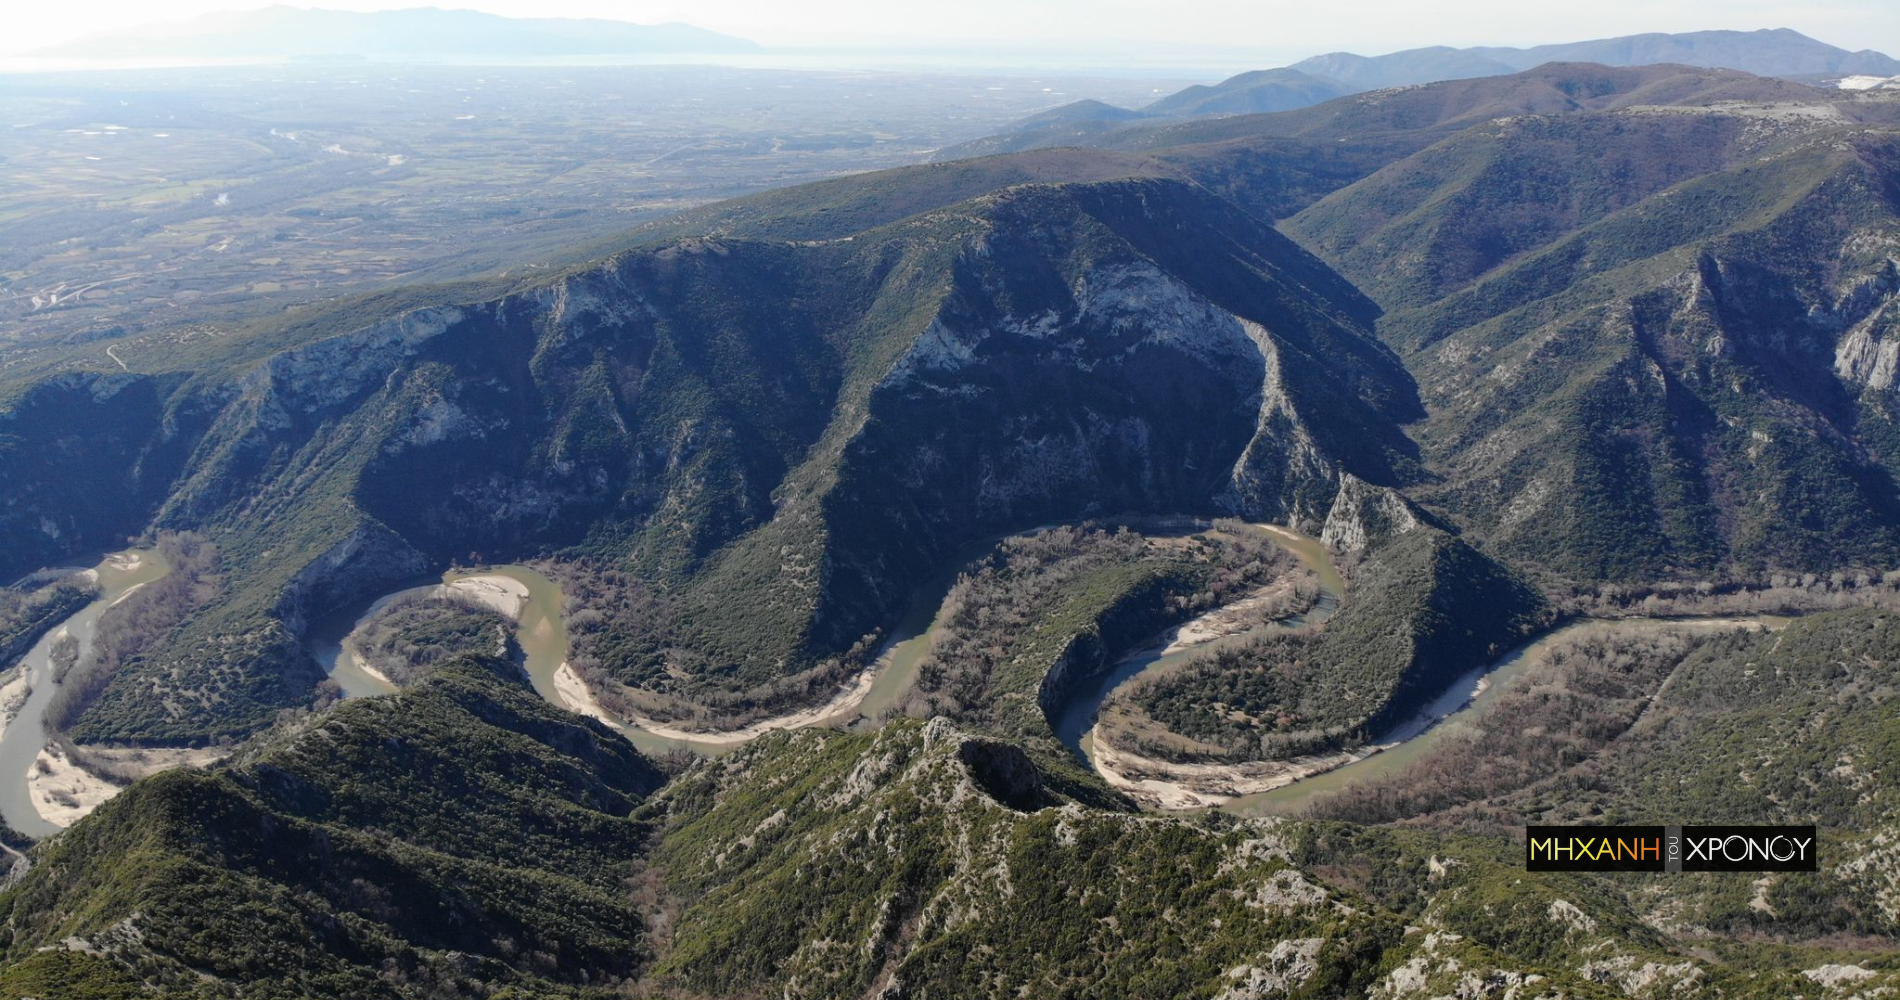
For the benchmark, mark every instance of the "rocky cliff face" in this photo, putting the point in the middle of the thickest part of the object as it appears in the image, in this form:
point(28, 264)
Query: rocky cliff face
point(1687, 374)
point(84, 459)
point(796, 431)
point(1080, 365)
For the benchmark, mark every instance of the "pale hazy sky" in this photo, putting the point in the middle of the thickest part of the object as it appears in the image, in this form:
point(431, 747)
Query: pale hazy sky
point(1279, 30)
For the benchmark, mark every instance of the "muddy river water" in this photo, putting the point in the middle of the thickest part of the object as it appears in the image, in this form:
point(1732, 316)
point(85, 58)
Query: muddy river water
point(25, 734)
point(536, 604)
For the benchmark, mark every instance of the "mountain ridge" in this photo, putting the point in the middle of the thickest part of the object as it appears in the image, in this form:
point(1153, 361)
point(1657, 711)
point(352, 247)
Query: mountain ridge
point(1576, 341)
point(951, 859)
point(810, 397)
point(1778, 52)
point(719, 413)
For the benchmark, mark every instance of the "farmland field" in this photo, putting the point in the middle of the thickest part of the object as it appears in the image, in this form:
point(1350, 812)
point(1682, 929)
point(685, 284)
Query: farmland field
point(136, 201)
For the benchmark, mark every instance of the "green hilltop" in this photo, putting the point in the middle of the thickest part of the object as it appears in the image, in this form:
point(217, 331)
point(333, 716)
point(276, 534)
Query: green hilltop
point(462, 836)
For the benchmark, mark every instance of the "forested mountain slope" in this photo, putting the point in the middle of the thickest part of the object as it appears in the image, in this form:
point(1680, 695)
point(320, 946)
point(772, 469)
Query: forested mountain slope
point(1522, 338)
point(1652, 340)
point(1645, 309)
point(532, 855)
point(461, 831)
point(808, 424)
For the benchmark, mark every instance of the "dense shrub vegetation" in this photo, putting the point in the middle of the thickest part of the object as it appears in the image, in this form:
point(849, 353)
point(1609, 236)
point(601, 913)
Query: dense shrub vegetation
point(408, 637)
point(28, 614)
point(1423, 610)
point(462, 832)
point(1583, 692)
point(632, 644)
point(130, 628)
point(944, 891)
point(1074, 597)
point(1773, 593)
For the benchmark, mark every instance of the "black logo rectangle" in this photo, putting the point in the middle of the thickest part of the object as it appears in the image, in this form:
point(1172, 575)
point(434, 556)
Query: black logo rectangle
point(1671, 849)
point(1595, 849)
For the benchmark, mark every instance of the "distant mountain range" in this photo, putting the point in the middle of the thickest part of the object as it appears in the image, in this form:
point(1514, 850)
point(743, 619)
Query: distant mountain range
point(1778, 52)
point(298, 32)
point(1769, 52)
point(1621, 333)
point(758, 389)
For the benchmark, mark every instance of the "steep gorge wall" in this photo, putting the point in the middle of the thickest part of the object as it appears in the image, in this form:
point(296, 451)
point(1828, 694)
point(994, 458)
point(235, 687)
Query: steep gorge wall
point(792, 431)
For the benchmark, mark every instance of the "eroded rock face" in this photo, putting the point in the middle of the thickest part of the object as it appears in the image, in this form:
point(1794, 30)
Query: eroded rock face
point(1868, 352)
point(1082, 363)
point(84, 459)
point(1005, 772)
point(370, 560)
point(808, 426)
point(1363, 515)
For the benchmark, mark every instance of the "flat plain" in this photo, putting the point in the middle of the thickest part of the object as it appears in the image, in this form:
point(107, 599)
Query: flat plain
point(133, 201)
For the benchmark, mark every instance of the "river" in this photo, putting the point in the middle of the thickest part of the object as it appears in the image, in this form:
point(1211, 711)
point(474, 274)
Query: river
point(541, 632)
point(1285, 787)
point(880, 688)
point(25, 733)
point(536, 603)
point(1456, 712)
point(1075, 724)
